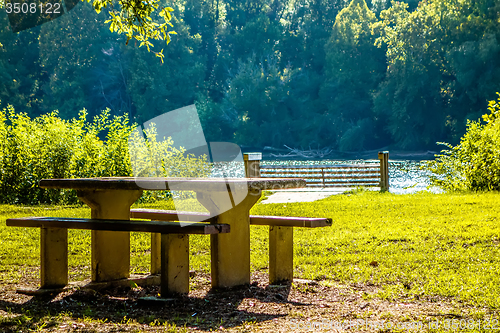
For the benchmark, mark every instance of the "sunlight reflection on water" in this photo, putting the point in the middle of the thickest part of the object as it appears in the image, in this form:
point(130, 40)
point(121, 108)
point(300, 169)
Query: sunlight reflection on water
point(404, 176)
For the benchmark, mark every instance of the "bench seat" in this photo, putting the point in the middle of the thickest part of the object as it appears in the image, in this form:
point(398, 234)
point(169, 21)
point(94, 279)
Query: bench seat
point(280, 235)
point(119, 225)
point(279, 221)
point(173, 246)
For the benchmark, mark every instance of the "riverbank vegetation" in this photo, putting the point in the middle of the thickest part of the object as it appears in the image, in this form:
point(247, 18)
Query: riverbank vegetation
point(48, 147)
point(473, 164)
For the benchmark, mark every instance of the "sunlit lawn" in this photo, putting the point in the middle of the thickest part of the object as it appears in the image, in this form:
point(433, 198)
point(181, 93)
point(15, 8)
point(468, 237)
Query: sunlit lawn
point(411, 245)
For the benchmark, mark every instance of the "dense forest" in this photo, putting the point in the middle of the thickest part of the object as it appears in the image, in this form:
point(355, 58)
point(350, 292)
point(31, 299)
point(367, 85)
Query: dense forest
point(323, 73)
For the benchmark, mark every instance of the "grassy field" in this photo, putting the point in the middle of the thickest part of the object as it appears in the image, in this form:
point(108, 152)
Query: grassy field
point(413, 245)
point(407, 247)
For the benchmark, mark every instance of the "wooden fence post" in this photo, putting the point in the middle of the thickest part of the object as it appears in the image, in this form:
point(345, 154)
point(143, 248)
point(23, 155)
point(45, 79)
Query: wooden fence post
point(323, 175)
point(383, 156)
point(252, 164)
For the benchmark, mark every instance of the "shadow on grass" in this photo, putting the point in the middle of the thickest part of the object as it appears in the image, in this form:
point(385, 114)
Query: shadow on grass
point(224, 308)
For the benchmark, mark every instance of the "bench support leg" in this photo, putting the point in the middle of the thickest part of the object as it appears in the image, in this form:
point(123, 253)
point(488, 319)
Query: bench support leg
point(280, 254)
point(53, 258)
point(155, 253)
point(174, 264)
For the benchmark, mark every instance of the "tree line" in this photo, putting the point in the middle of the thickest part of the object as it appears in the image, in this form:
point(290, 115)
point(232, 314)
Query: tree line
point(347, 75)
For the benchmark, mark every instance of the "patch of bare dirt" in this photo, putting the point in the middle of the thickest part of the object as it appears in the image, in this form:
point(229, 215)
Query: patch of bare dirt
point(304, 306)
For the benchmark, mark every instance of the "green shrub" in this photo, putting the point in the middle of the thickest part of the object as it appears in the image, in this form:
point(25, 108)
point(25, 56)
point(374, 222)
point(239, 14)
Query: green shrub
point(50, 147)
point(474, 164)
point(32, 150)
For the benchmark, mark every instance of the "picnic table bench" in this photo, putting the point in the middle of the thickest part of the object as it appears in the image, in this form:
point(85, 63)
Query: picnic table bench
point(174, 272)
point(280, 236)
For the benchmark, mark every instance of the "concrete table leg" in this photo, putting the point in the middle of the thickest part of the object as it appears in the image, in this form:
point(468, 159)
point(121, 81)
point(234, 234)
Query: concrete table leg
point(230, 253)
point(110, 249)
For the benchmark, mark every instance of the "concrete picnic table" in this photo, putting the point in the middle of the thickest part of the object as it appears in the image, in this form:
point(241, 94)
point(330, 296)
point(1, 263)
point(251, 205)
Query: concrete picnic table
point(229, 200)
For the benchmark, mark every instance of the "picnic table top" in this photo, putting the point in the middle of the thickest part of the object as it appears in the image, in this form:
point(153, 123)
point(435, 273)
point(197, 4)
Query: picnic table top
point(172, 183)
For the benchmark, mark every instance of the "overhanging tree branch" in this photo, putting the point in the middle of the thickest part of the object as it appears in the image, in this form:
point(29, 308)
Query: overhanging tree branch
point(134, 18)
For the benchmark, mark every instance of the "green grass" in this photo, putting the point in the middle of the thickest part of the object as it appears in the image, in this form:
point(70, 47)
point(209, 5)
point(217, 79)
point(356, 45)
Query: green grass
point(409, 246)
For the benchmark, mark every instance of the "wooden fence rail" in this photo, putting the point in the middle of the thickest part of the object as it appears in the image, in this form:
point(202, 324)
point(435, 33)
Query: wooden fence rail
point(335, 175)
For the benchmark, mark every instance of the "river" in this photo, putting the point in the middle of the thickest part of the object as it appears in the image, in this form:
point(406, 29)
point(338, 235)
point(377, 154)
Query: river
point(405, 176)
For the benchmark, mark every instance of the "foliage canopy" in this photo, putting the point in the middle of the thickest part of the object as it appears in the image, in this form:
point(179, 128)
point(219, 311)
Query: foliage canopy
point(348, 75)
